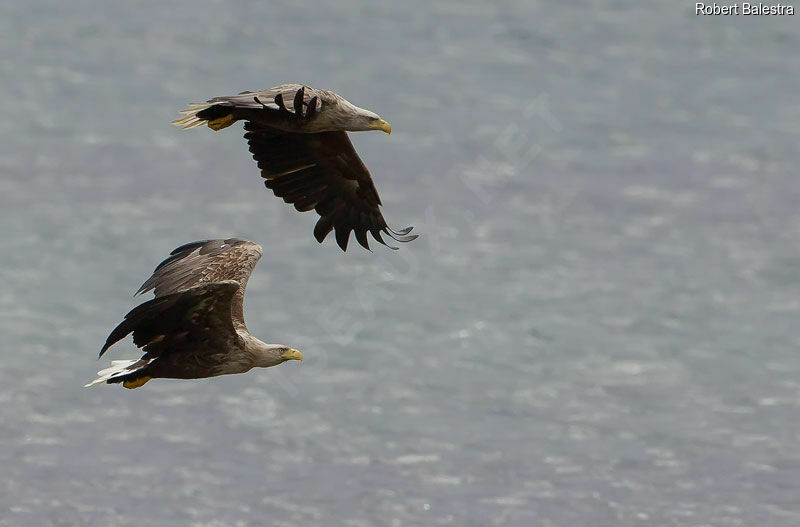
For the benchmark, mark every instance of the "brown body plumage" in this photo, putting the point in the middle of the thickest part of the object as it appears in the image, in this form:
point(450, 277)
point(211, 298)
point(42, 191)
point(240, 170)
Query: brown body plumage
point(298, 137)
point(194, 327)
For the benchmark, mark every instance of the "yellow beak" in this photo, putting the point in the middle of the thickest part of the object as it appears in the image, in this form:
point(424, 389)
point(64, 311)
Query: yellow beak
point(383, 125)
point(292, 354)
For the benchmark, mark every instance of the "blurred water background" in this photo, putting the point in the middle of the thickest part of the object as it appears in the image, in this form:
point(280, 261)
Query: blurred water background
point(598, 326)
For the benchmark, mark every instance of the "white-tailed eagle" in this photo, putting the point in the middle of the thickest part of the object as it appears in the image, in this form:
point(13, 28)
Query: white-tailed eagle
point(194, 327)
point(298, 137)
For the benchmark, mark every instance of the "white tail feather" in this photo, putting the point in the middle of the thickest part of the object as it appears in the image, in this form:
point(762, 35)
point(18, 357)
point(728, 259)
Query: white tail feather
point(191, 120)
point(117, 368)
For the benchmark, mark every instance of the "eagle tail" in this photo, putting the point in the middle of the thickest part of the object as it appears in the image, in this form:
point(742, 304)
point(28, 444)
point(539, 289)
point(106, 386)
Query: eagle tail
point(190, 119)
point(217, 116)
point(128, 372)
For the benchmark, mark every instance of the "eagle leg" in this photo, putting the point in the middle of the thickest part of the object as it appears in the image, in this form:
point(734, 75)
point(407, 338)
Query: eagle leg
point(136, 383)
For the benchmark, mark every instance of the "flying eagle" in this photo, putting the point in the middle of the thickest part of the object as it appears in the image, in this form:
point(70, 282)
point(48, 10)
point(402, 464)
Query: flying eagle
point(194, 327)
point(298, 137)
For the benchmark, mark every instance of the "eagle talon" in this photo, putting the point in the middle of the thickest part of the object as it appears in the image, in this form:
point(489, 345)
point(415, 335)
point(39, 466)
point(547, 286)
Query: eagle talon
point(256, 99)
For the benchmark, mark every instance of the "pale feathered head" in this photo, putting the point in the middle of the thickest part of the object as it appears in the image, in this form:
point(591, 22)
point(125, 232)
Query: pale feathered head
point(340, 114)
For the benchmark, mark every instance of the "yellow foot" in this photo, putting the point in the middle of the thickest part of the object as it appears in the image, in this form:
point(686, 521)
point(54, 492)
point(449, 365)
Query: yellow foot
point(222, 122)
point(141, 381)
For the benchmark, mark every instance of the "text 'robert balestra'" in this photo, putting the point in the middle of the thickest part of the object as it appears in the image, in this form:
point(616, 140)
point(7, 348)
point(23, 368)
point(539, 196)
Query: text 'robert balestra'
point(744, 8)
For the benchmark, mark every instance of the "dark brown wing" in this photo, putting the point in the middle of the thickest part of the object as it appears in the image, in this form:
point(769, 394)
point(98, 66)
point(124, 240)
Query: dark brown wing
point(181, 321)
point(203, 262)
point(323, 172)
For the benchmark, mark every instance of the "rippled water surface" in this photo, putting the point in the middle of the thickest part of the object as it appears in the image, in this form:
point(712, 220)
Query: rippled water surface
point(597, 326)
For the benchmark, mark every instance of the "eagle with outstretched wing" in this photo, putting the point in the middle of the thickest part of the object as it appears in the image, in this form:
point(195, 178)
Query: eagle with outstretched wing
point(194, 327)
point(298, 137)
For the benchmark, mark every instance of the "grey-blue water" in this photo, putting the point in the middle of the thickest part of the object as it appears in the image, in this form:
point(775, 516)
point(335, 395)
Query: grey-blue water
point(598, 326)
